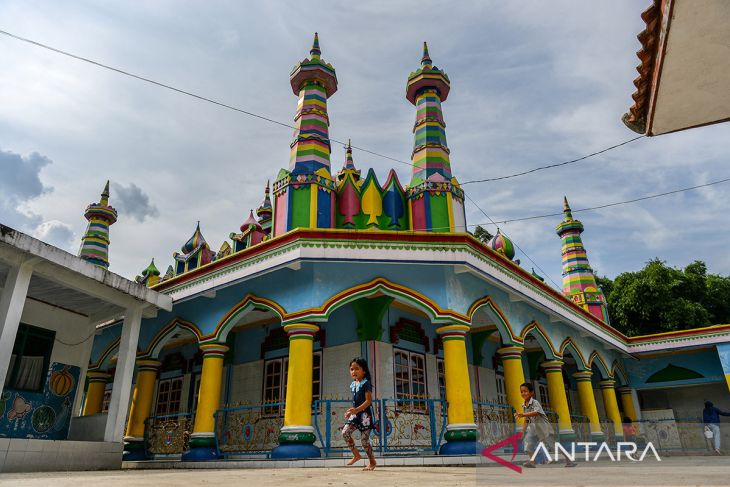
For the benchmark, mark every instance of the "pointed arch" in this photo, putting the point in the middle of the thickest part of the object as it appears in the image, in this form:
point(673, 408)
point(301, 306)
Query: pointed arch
point(570, 345)
point(106, 354)
point(378, 287)
point(534, 328)
point(618, 371)
point(166, 332)
point(503, 324)
point(231, 318)
point(601, 364)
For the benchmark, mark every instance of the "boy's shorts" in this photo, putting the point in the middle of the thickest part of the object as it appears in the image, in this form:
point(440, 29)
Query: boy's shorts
point(531, 440)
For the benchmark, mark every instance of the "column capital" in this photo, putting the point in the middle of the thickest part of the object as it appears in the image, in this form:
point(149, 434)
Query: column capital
point(625, 389)
point(148, 364)
point(583, 375)
point(511, 352)
point(453, 332)
point(607, 384)
point(98, 376)
point(553, 366)
point(213, 350)
point(301, 331)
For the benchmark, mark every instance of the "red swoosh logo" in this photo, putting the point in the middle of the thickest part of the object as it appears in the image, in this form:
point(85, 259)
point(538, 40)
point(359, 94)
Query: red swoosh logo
point(512, 440)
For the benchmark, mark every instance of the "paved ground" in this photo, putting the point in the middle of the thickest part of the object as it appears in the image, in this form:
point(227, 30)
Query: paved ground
point(709, 471)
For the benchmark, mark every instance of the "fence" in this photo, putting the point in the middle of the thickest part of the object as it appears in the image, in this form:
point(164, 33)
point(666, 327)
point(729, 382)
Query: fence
point(167, 435)
point(681, 435)
point(494, 421)
point(248, 430)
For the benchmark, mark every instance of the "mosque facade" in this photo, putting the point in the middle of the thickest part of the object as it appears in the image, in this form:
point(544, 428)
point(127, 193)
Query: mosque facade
point(253, 358)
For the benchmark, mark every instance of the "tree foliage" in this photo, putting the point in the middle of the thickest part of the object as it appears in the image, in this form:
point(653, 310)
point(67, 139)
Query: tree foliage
point(661, 298)
point(482, 234)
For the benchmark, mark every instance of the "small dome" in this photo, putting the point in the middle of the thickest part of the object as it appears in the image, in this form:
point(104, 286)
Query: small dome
point(151, 269)
point(503, 245)
point(250, 221)
point(194, 242)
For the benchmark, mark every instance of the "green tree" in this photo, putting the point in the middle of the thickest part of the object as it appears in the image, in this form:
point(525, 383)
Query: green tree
point(661, 298)
point(482, 234)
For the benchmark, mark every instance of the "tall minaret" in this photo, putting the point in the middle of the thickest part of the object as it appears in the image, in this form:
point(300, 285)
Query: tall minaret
point(95, 242)
point(304, 195)
point(435, 198)
point(579, 283)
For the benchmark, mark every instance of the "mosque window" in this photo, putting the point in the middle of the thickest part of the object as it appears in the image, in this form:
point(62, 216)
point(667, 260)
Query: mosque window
point(410, 379)
point(501, 394)
point(441, 378)
point(169, 393)
point(30, 358)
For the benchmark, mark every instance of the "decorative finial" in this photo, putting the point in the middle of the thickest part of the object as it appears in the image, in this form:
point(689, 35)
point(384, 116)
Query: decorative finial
point(426, 59)
point(105, 195)
point(315, 52)
point(566, 208)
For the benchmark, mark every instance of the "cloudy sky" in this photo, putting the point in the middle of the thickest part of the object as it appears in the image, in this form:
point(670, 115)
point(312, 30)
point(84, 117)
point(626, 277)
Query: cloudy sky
point(532, 83)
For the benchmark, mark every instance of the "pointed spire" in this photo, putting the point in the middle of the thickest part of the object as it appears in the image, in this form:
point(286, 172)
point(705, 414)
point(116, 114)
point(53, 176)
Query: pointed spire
point(264, 211)
point(105, 195)
point(349, 163)
point(426, 59)
point(151, 269)
point(315, 52)
point(566, 208)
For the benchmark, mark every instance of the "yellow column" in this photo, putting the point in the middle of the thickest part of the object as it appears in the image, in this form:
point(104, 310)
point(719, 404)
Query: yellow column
point(588, 401)
point(297, 434)
point(202, 441)
point(611, 405)
point(627, 401)
point(139, 410)
point(95, 393)
point(142, 397)
point(558, 398)
point(514, 376)
point(461, 431)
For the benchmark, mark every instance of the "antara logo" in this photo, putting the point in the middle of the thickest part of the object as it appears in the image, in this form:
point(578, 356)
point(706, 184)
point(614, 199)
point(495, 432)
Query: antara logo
point(628, 449)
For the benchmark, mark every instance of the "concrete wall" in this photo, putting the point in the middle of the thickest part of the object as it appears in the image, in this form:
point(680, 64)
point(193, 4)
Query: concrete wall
point(28, 455)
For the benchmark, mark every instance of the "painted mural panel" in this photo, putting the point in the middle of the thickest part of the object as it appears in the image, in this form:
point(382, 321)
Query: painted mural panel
point(42, 415)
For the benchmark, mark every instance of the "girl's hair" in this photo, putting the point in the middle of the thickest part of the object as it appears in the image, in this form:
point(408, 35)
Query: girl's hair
point(363, 365)
point(528, 386)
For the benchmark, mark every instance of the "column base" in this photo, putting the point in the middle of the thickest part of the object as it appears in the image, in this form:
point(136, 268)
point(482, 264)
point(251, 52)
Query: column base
point(295, 451)
point(201, 449)
point(134, 449)
point(295, 442)
point(461, 448)
point(461, 439)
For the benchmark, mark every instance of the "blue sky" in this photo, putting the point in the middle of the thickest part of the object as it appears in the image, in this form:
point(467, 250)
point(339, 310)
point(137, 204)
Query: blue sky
point(532, 83)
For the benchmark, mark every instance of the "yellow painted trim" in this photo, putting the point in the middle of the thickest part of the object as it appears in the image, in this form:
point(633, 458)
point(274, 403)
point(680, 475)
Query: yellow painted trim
point(450, 207)
point(313, 206)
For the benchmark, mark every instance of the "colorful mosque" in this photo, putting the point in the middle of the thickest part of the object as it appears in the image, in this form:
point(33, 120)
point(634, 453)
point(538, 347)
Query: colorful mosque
point(253, 357)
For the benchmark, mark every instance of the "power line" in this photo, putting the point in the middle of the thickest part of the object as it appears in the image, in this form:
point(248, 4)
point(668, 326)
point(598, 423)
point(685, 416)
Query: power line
point(592, 208)
point(551, 166)
point(513, 242)
point(277, 122)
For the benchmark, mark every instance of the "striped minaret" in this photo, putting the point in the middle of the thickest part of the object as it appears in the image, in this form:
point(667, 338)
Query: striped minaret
point(304, 196)
point(579, 283)
point(95, 242)
point(436, 201)
point(430, 153)
point(313, 81)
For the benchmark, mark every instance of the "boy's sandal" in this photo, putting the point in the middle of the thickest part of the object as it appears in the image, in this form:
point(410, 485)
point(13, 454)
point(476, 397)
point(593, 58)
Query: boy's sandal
point(529, 465)
point(571, 464)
